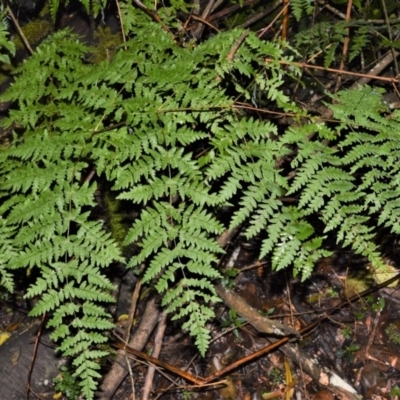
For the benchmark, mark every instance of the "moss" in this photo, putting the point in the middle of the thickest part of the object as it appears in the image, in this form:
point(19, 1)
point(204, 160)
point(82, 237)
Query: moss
point(45, 12)
point(34, 32)
point(117, 218)
point(107, 44)
point(393, 332)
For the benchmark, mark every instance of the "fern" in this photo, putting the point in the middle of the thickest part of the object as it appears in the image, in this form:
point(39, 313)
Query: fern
point(91, 6)
point(324, 37)
point(151, 161)
point(360, 40)
point(160, 125)
point(6, 46)
point(43, 169)
point(349, 179)
point(53, 7)
point(302, 8)
point(7, 253)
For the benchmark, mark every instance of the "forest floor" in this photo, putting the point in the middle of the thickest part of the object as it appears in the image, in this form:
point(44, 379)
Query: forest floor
point(349, 338)
point(348, 346)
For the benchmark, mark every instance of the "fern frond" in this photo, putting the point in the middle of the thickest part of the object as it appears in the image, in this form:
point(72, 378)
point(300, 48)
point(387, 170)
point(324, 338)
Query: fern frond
point(360, 39)
point(302, 8)
point(7, 253)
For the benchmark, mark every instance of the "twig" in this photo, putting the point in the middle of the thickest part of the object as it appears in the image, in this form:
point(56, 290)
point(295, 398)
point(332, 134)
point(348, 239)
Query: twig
point(334, 11)
point(18, 28)
point(329, 378)
point(258, 264)
point(256, 320)
point(371, 338)
point(285, 19)
point(132, 309)
point(131, 376)
point(151, 14)
point(198, 30)
point(227, 236)
point(396, 67)
point(118, 371)
point(273, 21)
point(183, 374)
point(372, 74)
point(376, 70)
point(205, 22)
point(121, 22)
point(174, 384)
point(226, 331)
point(345, 45)
point(35, 349)
point(260, 15)
point(162, 324)
point(294, 354)
point(231, 9)
point(208, 9)
point(236, 45)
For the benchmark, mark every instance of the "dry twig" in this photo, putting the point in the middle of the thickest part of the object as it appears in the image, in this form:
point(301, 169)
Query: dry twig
point(19, 30)
point(119, 371)
point(162, 324)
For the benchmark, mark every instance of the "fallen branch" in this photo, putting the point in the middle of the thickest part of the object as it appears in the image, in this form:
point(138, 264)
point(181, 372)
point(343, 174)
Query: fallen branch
point(256, 320)
point(177, 371)
point(119, 369)
point(372, 74)
point(148, 384)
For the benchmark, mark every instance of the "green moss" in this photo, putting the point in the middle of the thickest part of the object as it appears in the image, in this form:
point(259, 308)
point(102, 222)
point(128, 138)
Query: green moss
point(45, 12)
point(117, 218)
point(107, 44)
point(393, 332)
point(34, 32)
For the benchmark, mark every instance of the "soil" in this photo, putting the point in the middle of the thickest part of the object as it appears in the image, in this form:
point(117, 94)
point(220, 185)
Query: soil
point(357, 341)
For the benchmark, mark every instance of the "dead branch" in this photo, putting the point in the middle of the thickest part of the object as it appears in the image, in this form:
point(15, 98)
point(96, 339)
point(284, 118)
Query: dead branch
point(119, 369)
point(256, 320)
point(162, 324)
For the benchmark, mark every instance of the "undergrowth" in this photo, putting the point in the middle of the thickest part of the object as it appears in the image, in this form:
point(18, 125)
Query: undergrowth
point(164, 125)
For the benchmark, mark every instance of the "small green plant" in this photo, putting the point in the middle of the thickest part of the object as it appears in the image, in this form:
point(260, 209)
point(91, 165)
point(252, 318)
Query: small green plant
point(347, 332)
point(233, 321)
point(265, 313)
point(393, 332)
point(187, 395)
point(371, 303)
point(377, 304)
point(348, 351)
point(67, 384)
point(7, 47)
point(228, 279)
point(352, 348)
point(395, 391)
point(359, 314)
point(276, 376)
point(332, 292)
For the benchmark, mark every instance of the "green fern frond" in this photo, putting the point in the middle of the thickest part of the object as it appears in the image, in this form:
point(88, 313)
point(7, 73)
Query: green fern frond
point(360, 39)
point(54, 6)
point(302, 8)
point(7, 253)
